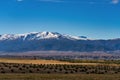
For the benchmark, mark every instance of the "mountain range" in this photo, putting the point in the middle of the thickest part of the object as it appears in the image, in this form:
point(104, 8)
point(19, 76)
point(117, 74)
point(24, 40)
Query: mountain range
point(53, 41)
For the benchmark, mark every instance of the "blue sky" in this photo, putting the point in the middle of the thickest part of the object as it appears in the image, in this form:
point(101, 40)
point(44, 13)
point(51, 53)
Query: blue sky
point(92, 18)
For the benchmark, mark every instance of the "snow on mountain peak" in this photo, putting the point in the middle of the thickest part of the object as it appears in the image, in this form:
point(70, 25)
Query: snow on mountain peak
point(8, 37)
point(75, 37)
point(39, 35)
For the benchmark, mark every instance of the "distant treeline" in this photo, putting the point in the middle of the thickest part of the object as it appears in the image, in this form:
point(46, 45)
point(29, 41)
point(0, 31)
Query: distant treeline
point(64, 57)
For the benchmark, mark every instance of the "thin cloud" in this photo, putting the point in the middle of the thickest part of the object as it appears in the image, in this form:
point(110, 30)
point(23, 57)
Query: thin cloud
point(80, 2)
point(19, 0)
point(51, 0)
point(105, 2)
point(115, 1)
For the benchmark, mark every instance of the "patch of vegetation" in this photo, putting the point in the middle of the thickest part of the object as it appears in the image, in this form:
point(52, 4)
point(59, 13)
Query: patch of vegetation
point(93, 61)
point(59, 68)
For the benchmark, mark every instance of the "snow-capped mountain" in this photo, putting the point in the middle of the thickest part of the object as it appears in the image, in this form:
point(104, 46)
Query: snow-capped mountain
point(39, 35)
point(53, 41)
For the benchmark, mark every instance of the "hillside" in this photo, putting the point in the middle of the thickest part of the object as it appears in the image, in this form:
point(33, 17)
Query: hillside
point(48, 41)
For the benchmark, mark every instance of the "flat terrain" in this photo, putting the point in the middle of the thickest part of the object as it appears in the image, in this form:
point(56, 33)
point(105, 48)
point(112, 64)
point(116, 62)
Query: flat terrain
point(28, 61)
point(59, 76)
point(29, 69)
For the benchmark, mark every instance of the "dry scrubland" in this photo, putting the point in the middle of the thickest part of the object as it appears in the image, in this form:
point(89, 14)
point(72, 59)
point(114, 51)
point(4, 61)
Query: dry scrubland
point(59, 77)
point(28, 61)
point(26, 69)
point(31, 61)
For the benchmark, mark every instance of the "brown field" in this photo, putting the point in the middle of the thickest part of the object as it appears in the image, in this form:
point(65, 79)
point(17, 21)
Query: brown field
point(26, 69)
point(30, 61)
point(59, 76)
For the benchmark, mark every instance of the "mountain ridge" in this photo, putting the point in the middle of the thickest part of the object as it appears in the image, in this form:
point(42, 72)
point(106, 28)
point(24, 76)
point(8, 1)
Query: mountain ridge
point(40, 35)
point(53, 41)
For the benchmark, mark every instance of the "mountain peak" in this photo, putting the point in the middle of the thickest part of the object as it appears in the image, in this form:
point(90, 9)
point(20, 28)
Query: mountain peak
point(40, 41)
point(40, 35)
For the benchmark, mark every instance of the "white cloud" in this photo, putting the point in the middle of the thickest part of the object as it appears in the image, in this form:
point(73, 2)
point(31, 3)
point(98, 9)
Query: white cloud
point(115, 1)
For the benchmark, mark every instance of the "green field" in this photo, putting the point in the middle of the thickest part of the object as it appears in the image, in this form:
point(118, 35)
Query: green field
point(59, 77)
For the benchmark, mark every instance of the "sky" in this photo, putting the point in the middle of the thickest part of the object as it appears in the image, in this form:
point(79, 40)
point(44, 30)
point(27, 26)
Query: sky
point(98, 19)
